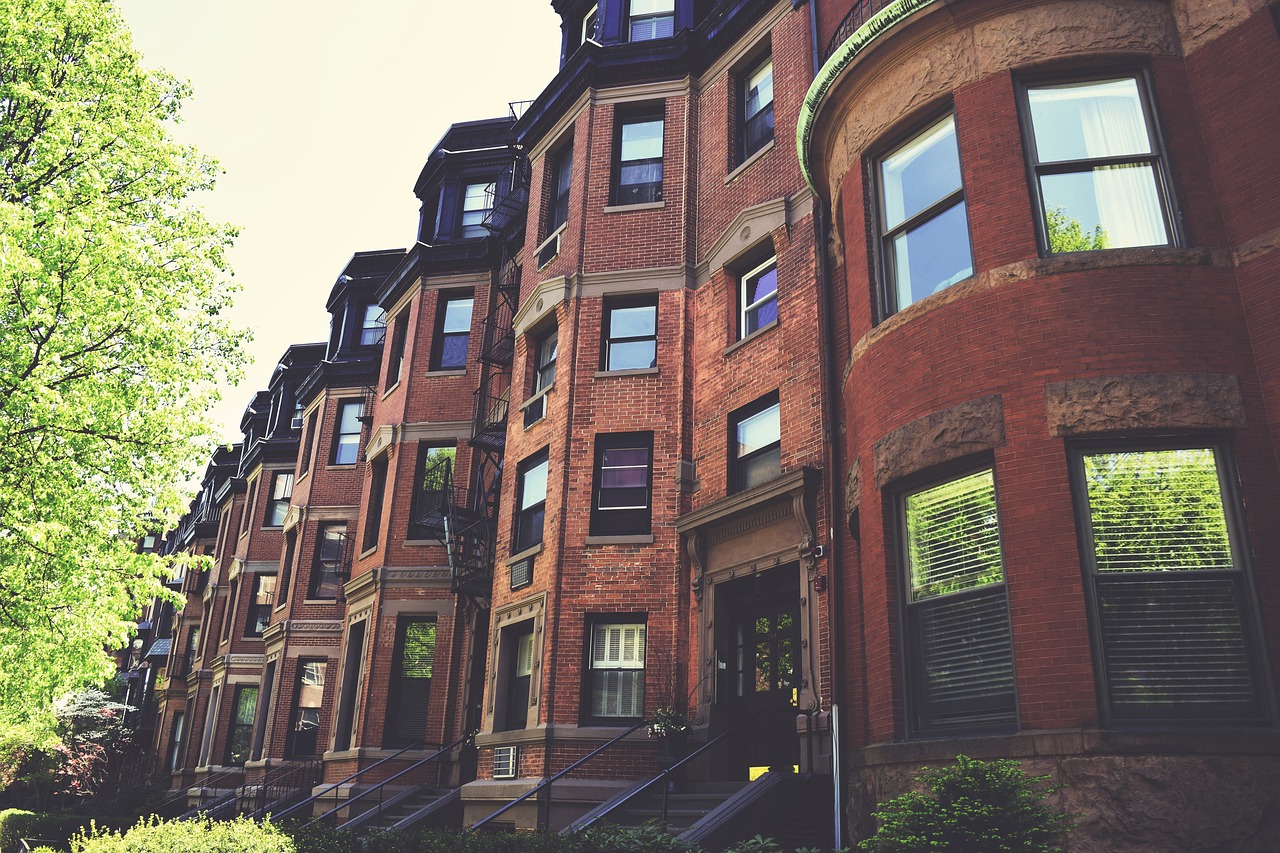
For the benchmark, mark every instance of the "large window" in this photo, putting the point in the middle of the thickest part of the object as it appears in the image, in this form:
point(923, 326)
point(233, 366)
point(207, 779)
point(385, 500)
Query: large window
point(177, 741)
point(410, 687)
point(326, 574)
point(281, 491)
point(631, 334)
point(638, 159)
point(1096, 159)
point(531, 501)
point(346, 439)
point(651, 19)
point(756, 439)
point(561, 181)
point(757, 109)
point(1170, 599)
point(617, 670)
point(308, 702)
point(923, 224)
point(244, 705)
point(308, 440)
point(264, 593)
point(758, 298)
point(959, 649)
point(622, 500)
point(477, 203)
point(453, 332)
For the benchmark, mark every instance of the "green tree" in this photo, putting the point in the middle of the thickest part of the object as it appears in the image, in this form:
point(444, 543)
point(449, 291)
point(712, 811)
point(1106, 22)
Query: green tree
point(972, 806)
point(1066, 234)
point(112, 287)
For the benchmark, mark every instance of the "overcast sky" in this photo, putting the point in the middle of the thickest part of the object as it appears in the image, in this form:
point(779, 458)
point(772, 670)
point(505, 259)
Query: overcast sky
point(322, 114)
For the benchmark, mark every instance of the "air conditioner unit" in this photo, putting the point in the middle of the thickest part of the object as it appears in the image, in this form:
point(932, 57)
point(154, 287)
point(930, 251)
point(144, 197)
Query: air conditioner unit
point(548, 250)
point(505, 762)
point(296, 423)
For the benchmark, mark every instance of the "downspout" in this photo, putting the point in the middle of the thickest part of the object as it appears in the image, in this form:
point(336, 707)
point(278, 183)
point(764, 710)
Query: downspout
point(831, 460)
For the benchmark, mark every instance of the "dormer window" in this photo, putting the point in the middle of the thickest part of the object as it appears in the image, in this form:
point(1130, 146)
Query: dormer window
point(477, 204)
point(591, 25)
point(373, 328)
point(651, 19)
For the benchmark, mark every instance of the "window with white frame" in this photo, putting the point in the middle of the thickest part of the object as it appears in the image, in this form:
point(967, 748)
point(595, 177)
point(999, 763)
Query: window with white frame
point(758, 298)
point(1099, 175)
point(1170, 598)
point(346, 438)
point(477, 203)
point(959, 645)
point(757, 109)
point(281, 492)
point(924, 225)
point(453, 332)
point(651, 19)
point(617, 670)
point(373, 327)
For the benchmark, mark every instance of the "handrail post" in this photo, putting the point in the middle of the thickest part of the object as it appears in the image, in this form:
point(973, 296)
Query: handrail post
point(666, 788)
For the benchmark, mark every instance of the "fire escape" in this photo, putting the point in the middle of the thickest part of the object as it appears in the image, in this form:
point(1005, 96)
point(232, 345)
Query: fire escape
point(464, 516)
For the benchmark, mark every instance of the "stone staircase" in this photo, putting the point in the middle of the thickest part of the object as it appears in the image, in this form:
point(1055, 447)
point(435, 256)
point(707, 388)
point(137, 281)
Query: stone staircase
point(687, 803)
point(407, 809)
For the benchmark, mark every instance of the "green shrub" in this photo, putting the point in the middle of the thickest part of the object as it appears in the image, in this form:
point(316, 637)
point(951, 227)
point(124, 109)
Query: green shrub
point(972, 806)
point(185, 836)
point(16, 824)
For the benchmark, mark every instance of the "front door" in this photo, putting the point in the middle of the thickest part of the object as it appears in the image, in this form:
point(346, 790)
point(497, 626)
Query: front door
point(758, 658)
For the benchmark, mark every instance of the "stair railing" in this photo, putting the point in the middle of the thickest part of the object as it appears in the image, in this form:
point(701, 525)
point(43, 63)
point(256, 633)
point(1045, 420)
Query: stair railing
point(545, 807)
point(381, 787)
point(286, 783)
point(210, 782)
point(310, 801)
point(635, 791)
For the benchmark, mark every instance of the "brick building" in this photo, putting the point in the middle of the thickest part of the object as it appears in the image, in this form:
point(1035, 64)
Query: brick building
point(989, 473)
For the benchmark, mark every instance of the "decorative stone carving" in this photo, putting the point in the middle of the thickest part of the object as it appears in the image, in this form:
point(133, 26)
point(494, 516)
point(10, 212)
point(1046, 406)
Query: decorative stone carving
point(939, 437)
point(1145, 401)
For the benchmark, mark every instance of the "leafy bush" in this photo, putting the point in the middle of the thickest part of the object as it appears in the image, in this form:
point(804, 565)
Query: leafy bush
point(184, 836)
point(16, 824)
point(972, 806)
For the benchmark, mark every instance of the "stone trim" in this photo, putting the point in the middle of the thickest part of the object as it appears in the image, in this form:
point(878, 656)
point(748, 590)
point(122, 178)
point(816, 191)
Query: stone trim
point(943, 436)
point(1145, 401)
point(542, 302)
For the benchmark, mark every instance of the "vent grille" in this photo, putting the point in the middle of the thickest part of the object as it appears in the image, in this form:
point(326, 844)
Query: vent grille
point(522, 573)
point(505, 761)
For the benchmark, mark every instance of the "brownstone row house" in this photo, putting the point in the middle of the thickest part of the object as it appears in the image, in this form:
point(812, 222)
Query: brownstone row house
point(947, 428)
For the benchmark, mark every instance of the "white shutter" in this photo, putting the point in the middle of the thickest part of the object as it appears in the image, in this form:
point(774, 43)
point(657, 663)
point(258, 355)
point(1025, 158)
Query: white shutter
point(617, 661)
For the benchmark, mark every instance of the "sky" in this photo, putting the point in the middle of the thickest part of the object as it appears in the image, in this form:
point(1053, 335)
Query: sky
point(322, 114)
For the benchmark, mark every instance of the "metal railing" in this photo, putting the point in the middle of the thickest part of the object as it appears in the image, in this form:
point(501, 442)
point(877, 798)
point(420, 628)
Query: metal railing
point(280, 787)
point(309, 801)
point(544, 804)
point(665, 775)
point(381, 788)
point(182, 796)
point(861, 12)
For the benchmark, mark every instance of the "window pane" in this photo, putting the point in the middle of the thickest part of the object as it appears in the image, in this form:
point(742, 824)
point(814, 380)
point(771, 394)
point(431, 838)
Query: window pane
point(1108, 207)
point(349, 421)
point(920, 173)
point(933, 256)
point(633, 355)
point(651, 7)
point(457, 315)
point(453, 352)
point(478, 197)
point(759, 89)
point(1157, 511)
point(311, 685)
point(282, 487)
point(759, 430)
point(953, 536)
point(761, 468)
point(642, 140)
point(1078, 121)
point(535, 486)
point(763, 285)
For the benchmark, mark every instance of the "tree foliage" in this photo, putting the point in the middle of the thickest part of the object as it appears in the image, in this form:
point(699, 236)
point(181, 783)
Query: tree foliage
point(112, 286)
point(972, 806)
point(1067, 234)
